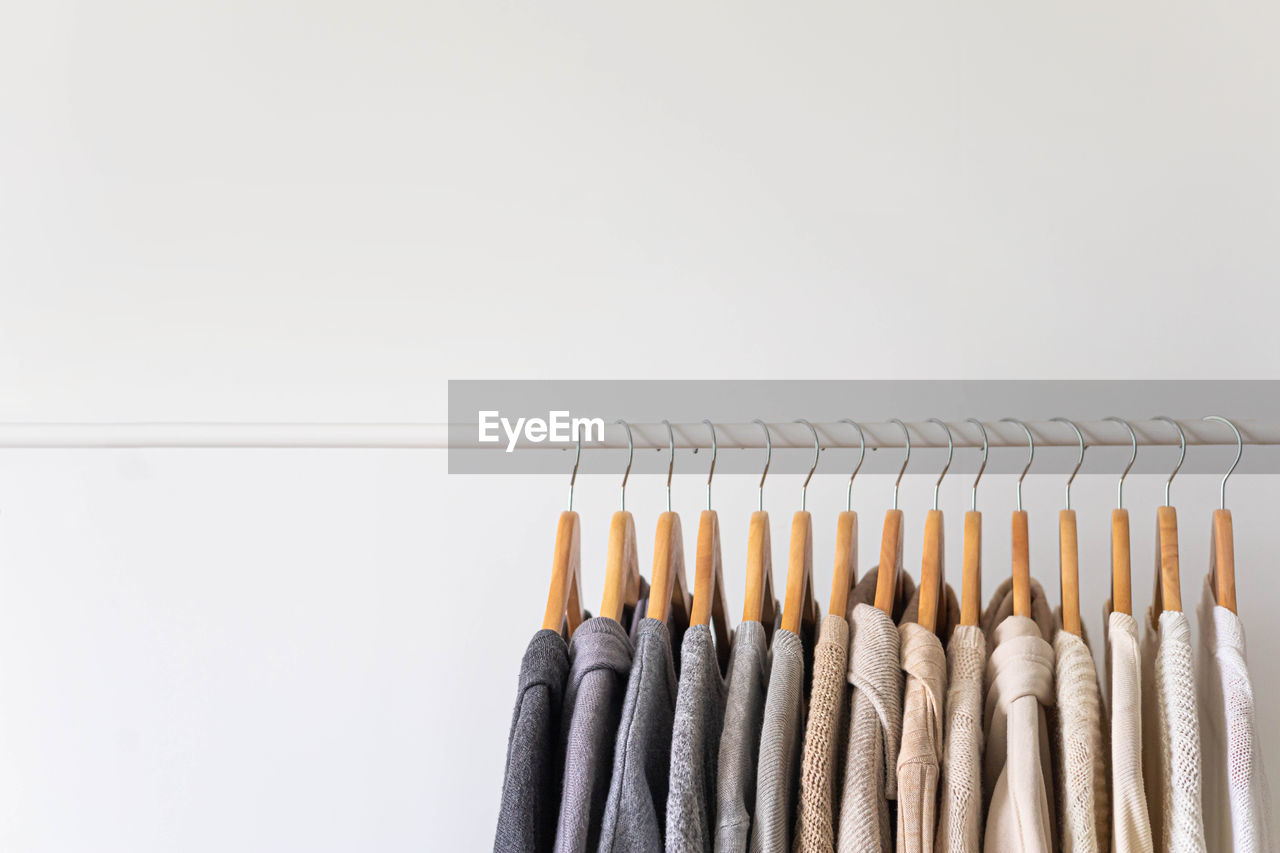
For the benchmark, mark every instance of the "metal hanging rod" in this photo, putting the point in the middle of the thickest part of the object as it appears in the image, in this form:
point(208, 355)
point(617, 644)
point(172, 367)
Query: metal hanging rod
point(786, 434)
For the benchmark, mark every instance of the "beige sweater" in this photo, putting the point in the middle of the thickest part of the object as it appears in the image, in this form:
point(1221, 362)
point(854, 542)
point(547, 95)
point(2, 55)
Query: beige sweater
point(1017, 772)
point(919, 758)
point(815, 819)
point(960, 811)
point(1130, 825)
point(1083, 807)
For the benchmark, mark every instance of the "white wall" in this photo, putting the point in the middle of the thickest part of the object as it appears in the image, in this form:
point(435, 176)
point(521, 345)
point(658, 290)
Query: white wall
point(276, 211)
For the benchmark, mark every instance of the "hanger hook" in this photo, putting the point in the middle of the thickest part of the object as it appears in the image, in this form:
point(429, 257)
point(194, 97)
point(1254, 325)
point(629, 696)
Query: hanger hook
point(817, 451)
point(862, 444)
point(714, 450)
point(1079, 461)
point(907, 436)
point(671, 466)
point(1031, 454)
point(986, 451)
point(1182, 441)
point(951, 449)
point(573, 478)
point(768, 456)
point(1222, 490)
point(1133, 437)
point(631, 453)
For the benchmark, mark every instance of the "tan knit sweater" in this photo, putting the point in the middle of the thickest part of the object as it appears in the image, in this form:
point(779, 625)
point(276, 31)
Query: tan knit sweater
point(815, 818)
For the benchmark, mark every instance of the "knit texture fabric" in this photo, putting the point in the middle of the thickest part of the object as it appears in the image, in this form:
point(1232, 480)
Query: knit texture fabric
point(1130, 823)
point(1084, 824)
point(960, 810)
point(777, 777)
point(531, 782)
point(1237, 798)
point(875, 730)
point(599, 664)
point(636, 807)
point(1016, 765)
point(815, 821)
point(1171, 751)
point(749, 665)
point(919, 758)
point(695, 745)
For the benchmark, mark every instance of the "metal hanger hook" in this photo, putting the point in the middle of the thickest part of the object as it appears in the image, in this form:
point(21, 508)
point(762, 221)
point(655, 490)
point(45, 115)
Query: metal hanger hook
point(573, 478)
point(671, 467)
point(1079, 461)
point(1031, 455)
point(951, 450)
point(768, 457)
point(817, 451)
point(862, 444)
point(631, 454)
point(907, 436)
point(1222, 489)
point(986, 452)
point(712, 470)
point(1182, 441)
point(1133, 438)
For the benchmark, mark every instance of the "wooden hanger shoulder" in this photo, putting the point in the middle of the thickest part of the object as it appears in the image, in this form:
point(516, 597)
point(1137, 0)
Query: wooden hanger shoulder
point(1021, 564)
point(931, 571)
point(1121, 563)
point(622, 567)
point(1222, 560)
point(845, 571)
point(1168, 591)
point(564, 600)
point(761, 602)
point(890, 572)
point(798, 604)
point(971, 570)
point(1069, 571)
point(669, 588)
point(709, 605)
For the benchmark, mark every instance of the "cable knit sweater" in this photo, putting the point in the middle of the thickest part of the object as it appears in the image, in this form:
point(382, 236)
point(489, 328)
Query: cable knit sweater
point(815, 822)
point(960, 811)
point(1083, 809)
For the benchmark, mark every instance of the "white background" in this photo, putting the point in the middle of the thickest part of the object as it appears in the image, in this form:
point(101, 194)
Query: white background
point(280, 211)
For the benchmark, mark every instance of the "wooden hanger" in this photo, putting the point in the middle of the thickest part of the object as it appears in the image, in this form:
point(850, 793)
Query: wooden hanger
point(1021, 542)
point(669, 589)
point(622, 566)
point(889, 574)
point(1168, 585)
point(932, 571)
point(844, 574)
point(1069, 550)
point(761, 604)
point(971, 567)
point(564, 600)
point(1222, 548)
point(709, 603)
point(1121, 574)
point(799, 608)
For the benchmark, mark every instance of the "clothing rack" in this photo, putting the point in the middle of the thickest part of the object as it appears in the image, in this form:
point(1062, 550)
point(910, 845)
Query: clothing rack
point(784, 435)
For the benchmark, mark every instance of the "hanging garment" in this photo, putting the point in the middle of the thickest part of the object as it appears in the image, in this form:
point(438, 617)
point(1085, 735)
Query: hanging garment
point(1237, 798)
point(1171, 735)
point(1083, 815)
point(924, 664)
point(749, 665)
point(531, 783)
point(636, 808)
point(875, 725)
point(1017, 773)
point(695, 745)
point(599, 666)
point(780, 734)
point(1130, 824)
point(960, 809)
point(815, 822)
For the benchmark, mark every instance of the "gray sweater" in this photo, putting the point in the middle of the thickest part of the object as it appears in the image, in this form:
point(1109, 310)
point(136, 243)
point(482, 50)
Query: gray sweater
point(749, 663)
point(600, 663)
point(695, 746)
point(635, 811)
point(531, 784)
